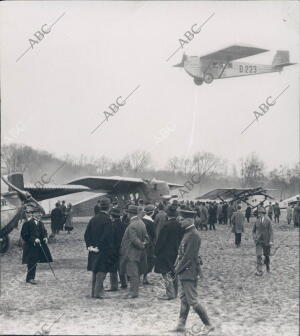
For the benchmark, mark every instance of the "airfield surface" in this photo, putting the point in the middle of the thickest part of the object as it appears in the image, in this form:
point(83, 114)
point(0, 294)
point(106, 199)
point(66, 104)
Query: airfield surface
point(238, 302)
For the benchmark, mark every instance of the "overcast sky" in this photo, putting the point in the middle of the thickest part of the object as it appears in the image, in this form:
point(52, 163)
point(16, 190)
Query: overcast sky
point(55, 95)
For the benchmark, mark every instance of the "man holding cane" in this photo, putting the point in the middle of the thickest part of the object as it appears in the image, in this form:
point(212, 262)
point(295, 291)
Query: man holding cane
point(35, 249)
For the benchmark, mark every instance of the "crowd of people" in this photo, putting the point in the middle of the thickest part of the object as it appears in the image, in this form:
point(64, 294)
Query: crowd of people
point(131, 240)
point(61, 218)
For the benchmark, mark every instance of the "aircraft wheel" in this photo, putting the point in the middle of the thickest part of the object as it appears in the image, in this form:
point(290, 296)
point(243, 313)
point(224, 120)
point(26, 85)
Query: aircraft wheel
point(4, 244)
point(208, 78)
point(198, 81)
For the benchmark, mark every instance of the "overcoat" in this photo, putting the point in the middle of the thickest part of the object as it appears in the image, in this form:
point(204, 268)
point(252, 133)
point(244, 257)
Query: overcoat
point(132, 247)
point(160, 220)
point(237, 222)
point(262, 231)
point(187, 265)
point(99, 233)
point(57, 219)
point(34, 253)
point(167, 245)
point(296, 216)
point(149, 223)
point(119, 229)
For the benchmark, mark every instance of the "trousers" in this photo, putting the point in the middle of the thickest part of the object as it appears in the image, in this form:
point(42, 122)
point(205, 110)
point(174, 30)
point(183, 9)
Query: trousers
point(97, 284)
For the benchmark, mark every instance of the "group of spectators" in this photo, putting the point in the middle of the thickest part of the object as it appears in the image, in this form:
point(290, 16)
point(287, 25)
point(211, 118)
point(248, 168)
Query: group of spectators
point(133, 240)
point(61, 218)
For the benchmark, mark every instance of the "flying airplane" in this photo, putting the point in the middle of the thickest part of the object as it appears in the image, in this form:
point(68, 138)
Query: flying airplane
point(19, 196)
point(250, 196)
point(218, 65)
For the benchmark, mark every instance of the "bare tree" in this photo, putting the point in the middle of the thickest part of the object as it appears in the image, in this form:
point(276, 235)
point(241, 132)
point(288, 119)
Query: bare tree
point(252, 171)
point(137, 161)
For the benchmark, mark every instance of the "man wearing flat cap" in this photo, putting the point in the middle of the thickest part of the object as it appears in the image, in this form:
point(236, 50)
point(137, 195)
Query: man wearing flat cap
point(166, 250)
point(262, 233)
point(187, 267)
point(133, 258)
point(149, 223)
point(99, 241)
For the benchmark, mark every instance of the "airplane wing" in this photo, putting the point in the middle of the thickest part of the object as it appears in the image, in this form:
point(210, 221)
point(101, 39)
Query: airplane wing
point(232, 53)
point(174, 186)
point(53, 190)
point(228, 193)
point(109, 183)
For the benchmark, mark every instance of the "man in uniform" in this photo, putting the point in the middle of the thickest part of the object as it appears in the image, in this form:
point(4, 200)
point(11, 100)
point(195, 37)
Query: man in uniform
point(262, 233)
point(133, 258)
point(99, 241)
point(187, 268)
point(35, 249)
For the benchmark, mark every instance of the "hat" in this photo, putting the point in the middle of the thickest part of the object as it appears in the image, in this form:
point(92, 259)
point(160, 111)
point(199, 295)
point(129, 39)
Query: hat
point(187, 213)
point(104, 203)
point(132, 209)
point(115, 211)
point(172, 210)
point(149, 208)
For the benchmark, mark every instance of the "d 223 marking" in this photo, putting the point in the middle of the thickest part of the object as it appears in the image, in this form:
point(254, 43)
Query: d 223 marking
point(248, 69)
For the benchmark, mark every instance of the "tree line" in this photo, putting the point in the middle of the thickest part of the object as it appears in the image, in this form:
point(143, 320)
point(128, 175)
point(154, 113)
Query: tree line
point(212, 171)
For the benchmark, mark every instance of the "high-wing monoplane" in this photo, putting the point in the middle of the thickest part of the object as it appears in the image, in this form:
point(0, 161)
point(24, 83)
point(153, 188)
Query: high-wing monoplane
point(123, 189)
point(250, 196)
point(219, 64)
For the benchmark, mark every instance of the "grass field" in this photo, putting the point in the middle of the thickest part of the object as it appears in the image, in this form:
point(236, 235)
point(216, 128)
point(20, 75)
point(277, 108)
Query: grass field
point(238, 302)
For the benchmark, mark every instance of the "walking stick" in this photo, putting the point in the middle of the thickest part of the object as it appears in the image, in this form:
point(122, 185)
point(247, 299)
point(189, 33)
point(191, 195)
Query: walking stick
point(48, 261)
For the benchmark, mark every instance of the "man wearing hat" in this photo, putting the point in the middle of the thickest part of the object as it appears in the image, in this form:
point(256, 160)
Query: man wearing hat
point(262, 233)
point(35, 249)
point(99, 241)
point(132, 251)
point(149, 223)
point(187, 268)
point(166, 250)
point(118, 233)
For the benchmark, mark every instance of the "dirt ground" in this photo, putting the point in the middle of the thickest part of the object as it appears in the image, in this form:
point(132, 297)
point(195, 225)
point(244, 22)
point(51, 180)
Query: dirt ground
point(238, 302)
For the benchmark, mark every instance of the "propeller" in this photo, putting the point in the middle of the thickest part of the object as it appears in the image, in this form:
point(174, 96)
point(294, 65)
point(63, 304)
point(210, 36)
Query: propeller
point(24, 195)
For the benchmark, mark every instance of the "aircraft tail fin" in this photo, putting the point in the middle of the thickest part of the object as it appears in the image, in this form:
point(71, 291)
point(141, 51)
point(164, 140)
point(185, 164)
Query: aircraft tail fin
point(181, 64)
point(281, 57)
point(17, 180)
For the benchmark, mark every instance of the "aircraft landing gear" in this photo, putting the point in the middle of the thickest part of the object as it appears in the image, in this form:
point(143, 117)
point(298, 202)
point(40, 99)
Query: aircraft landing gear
point(198, 81)
point(208, 78)
point(4, 244)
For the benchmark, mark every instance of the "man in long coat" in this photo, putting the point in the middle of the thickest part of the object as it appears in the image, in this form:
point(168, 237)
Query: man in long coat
point(133, 255)
point(296, 216)
point(35, 249)
point(149, 223)
point(119, 229)
point(187, 268)
point(56, 219)
point(160, 219)
point(262, 233)
point(166, 250)
point(99, 241)
point(203, 216)
point(238, 225)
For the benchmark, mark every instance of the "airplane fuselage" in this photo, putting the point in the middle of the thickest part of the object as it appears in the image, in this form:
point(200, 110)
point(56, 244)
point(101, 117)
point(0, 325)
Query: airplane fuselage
point(209, 70)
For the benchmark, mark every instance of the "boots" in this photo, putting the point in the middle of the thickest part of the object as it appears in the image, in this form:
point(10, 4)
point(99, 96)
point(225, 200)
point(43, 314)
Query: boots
point(184, 311)
point(202, 314)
